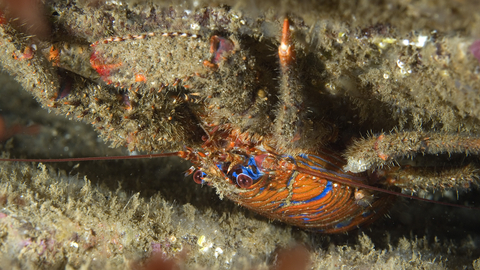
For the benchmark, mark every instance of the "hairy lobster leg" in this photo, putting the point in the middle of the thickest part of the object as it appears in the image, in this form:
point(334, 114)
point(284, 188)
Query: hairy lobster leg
point(289, 115)
point(378, 151)
point(294, 131)
point(384, 150)
point(413, 179)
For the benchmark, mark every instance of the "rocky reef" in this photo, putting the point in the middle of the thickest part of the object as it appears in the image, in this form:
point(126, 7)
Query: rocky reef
point(373, 75)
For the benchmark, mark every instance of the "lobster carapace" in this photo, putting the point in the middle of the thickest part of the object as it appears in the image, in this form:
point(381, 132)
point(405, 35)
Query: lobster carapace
point(248, 171)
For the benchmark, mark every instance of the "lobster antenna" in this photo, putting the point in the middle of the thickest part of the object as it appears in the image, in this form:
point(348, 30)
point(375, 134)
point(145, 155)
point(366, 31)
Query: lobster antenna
point(51, 160)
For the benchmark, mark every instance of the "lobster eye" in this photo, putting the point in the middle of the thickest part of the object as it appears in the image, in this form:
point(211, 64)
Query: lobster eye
point(198, 177)
point(244, 181)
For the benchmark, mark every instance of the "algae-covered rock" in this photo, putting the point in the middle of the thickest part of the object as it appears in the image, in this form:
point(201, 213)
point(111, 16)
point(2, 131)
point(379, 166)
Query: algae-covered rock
point(408, 69)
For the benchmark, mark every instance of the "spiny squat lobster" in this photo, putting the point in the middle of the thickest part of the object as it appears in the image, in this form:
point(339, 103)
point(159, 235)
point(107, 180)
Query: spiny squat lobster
point(315, 190)
point(306, 190)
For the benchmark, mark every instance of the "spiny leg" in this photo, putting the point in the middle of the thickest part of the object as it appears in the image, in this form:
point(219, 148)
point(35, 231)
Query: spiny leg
point(287, 122)
point(294, 129)
point(414, 179)
point(380, 152)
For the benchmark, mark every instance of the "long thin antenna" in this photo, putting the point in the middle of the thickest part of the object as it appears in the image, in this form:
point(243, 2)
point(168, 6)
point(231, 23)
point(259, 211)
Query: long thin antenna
point(46, 160)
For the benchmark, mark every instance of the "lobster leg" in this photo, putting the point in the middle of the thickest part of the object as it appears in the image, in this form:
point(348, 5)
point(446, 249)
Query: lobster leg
point(381, 153)
point(294, 130)
point(289, 116)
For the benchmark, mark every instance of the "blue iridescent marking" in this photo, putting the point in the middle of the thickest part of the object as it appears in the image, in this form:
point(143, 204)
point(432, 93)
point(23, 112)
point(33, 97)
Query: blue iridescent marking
point(292, 159)
point(300, 215)
point(343, 224)
point(290, 179)
point(324, 193)
point(366, 214)
point(249, 170)
point(202, 177)
point(305, 217)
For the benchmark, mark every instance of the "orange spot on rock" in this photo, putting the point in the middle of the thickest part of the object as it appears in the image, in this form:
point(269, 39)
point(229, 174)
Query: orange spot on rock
point(209, 64)
point(102, 66)
point(53, 55)
point(140, 78)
